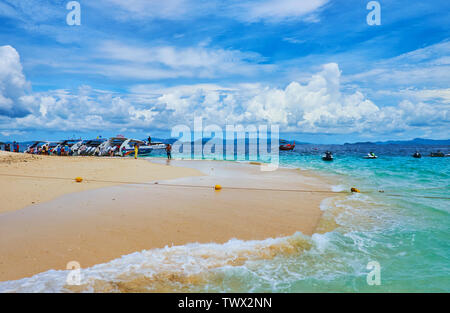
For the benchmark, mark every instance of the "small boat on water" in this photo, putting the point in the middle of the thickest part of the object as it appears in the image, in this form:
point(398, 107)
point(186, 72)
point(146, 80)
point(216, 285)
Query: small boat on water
point(371, 156)
point(438, 154)
point(287, 146)
point(328, 156)
point(417, 155)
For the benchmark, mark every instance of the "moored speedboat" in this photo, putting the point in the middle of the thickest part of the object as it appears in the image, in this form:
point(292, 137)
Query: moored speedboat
point(127, 147)
point(66, 143)
point(34, 148)
point(111, 147)
point(287, 147)
point(87, 147)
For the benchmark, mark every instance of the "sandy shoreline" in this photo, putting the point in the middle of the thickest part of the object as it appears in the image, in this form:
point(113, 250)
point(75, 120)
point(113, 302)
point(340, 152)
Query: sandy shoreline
point(94, 223)
point(19, 192)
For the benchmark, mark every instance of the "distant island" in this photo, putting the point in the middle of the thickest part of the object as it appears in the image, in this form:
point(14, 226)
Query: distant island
point(416, 141)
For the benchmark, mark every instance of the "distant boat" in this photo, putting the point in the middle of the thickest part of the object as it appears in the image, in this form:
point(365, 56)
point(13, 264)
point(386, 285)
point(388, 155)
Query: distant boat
point(438, 154)
point(417, 155)
point(328, 156)
point(287, 147)
point(370, 155)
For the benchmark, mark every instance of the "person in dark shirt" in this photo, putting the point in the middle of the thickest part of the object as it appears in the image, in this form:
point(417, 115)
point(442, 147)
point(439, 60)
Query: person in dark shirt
point(169, 151)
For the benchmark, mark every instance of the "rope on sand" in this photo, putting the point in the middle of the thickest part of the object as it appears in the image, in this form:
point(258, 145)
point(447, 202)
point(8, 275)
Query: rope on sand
point(230, 187)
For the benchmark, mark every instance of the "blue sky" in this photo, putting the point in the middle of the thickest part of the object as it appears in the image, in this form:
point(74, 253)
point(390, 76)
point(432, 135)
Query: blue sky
point(139, 67)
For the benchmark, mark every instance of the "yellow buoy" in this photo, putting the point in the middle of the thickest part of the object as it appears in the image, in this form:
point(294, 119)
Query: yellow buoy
point(217, 187)
point(78, 179)
point(355, 189)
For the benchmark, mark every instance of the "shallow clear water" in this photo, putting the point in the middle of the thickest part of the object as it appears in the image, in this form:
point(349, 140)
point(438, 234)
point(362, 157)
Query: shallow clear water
point(408, 235)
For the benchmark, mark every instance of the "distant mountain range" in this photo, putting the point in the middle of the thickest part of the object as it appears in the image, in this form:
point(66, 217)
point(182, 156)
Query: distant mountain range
point(416, 141)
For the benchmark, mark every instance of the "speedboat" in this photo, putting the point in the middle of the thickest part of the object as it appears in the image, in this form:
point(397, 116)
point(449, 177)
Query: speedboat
point(127, 147)
point(111, 146)
point(287, 147)
point(328, 156)
point(370, 155)
point(157, 145)
point(69, 143)
point(417, 155)
point(87, 147)
point(438, 154)
point(34, 147)
point(52, 147)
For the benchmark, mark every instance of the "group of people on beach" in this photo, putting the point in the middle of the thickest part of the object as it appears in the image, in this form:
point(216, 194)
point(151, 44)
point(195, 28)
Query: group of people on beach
point(45, 150)
point(14, 146)
point(65, 150)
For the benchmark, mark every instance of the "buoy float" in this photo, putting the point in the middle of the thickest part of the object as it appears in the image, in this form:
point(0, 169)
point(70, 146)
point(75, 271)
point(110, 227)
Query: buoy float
point(354, 189)
point(217, 187)
point(78, 179)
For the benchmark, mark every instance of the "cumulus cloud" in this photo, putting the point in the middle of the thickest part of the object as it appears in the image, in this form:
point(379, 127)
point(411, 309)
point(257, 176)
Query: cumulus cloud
point(14, 101)
point(316, 106)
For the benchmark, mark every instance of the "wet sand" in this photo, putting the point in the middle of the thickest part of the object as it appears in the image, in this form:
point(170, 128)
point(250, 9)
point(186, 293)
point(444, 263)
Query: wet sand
point(18, 192)
point(96, 226)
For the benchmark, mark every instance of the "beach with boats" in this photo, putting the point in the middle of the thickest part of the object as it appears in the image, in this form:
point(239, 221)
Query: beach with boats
point(158, 225)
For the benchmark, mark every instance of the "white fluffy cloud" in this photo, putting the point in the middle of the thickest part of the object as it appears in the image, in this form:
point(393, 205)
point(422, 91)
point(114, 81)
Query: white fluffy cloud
point(316, 106)
point(14, 101)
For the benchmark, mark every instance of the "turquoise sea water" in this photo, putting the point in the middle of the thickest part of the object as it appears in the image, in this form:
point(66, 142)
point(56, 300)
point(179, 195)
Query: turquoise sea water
point(407, 234)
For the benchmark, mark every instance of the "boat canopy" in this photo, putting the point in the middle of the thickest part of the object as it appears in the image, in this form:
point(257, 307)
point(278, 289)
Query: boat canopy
point(117, 140)
point(94, 142)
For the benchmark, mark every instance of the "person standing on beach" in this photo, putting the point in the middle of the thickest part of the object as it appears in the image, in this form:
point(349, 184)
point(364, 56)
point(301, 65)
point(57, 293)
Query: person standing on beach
point(169, 151)
point(136, 150)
